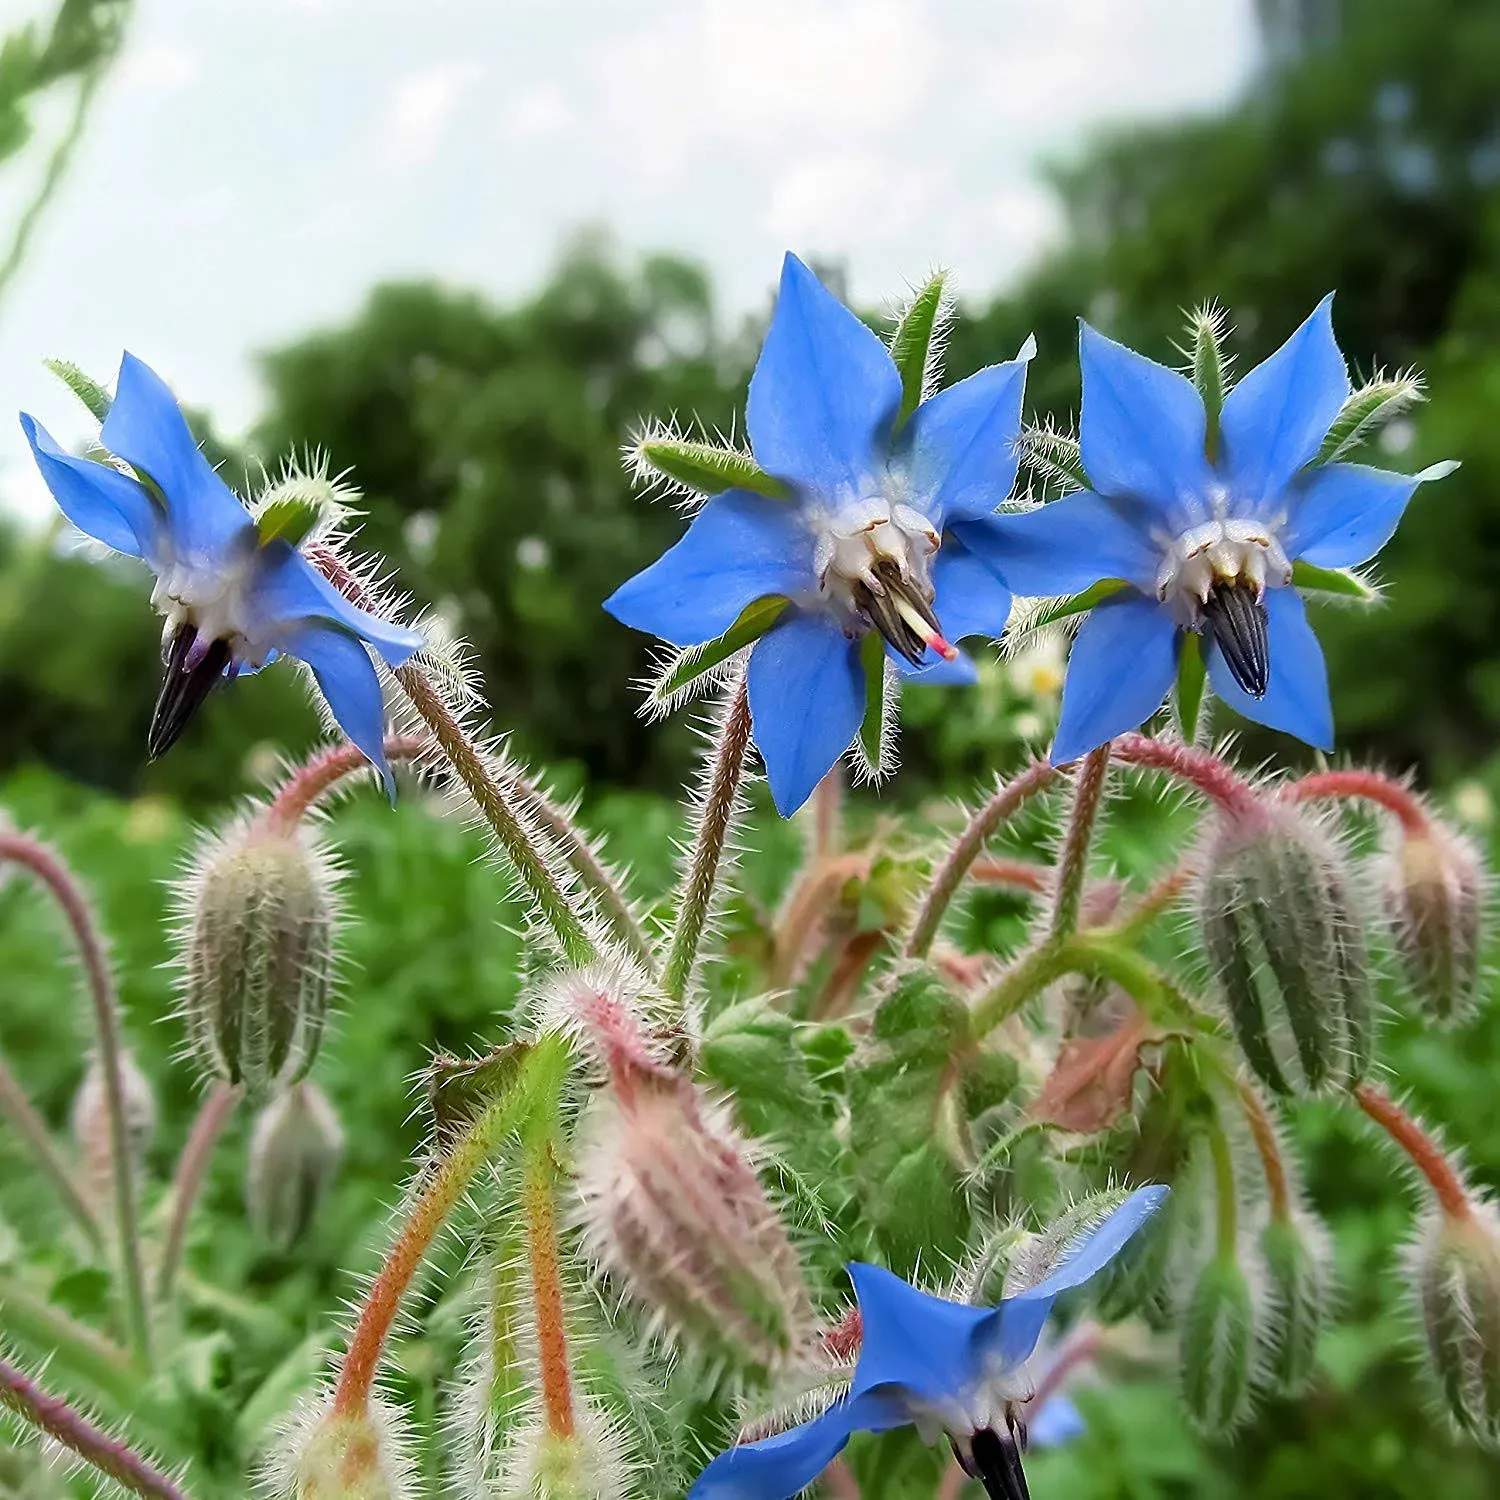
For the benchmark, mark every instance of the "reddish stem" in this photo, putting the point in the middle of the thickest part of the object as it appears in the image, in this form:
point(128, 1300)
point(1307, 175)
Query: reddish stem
point(1268, 1147)
point(192, 1166)
point(60, 1421)
point(1367, 786)
point(323, 771)
point(546, 1290)
point(842, 1342)
point(1211, 776)
point(1424, 1152)
point(1021, 873)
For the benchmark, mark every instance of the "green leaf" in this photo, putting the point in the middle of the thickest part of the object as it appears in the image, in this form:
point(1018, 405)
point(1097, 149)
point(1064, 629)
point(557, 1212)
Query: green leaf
point(706, 467)
point(288, 518)
point(1340, 581)
point(1077, 604)
point(1192, 671)
point(1366, 411)
point(913, 343)
point(754, 621)
point(872, 726)
point(85, 387)
point(1207, 330)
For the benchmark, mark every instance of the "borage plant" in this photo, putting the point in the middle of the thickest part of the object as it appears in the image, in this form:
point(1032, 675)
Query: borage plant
point(723, 1221)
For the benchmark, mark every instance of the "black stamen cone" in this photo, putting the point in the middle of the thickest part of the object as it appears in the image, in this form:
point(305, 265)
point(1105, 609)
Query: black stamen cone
point(183, 688)
point(1236, 618)
point(997, 1464)
point(882, 613)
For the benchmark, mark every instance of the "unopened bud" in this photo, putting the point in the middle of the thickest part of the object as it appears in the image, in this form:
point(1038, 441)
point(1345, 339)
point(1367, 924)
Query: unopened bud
point(1293, 1252)
point(673, 1206)
point(1286, 945)
point(295, 1151)
point(1434, 892)
point(1457, 1267)
point(1218, 1344)
point(326, 1454)
point(543, 1465)
point(90, 1121)
point(260, 910)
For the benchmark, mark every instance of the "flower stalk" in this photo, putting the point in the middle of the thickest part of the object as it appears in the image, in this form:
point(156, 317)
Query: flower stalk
point(1088, 796)
point(316, 777)
point(1203, 771)
point(544, 1263)
point(1364, 786)
point(32, 1129)
point(187, 1181)
point(50, 870)
point(1428, 1158)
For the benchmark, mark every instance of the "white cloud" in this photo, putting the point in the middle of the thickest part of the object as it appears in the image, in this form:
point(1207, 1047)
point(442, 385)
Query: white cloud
point(156, 69)
point(537, 112)
point(420, 109)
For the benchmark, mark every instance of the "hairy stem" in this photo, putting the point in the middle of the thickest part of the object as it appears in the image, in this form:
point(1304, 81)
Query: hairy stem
point(1366, 786)
point(512, 832)
point(1022, 874)
point(1268, 1148)
point(828, 813)
point(720, 799)
point(61, 1422)
point(1227, 1214)
point(50, 870)
point(443, 1186)
point(32, 1129)
point(1200, 769)
point(187, 1181)
point(1426, 1155)
point(1088, 795)
point(317, 776)
point(545, 1265)
point(1001, 807)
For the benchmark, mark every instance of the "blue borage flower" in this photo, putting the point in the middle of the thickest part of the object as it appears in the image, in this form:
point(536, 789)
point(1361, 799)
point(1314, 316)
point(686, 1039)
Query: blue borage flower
point(944, 1367)
point(873, 533)
point(1201, 524)
point(235, 593)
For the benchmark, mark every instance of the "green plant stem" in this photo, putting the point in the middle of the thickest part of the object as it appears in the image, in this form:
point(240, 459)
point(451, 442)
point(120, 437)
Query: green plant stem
point(60, 1421)
point(32, 1129)
point(1001, 807)
point(443, 1186)
point(1227, 1209)
point(1088, 795)
point(1268, 1148)
point(720, 798)
point(187, 1182)
point(48, 868)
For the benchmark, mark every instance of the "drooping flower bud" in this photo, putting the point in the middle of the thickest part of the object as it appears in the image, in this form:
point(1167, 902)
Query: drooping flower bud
point(326, 1454)
point(260, 909)
point(1294, 1254)
point(1286, 944)
point(673, 1206)
point(1457, 1271)
point(90, 1123)
point(1434, 888)
point(1218, 1347)
point(295, 1151)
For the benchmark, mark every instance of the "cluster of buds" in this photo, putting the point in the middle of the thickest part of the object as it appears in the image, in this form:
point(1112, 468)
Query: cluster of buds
point(260, 909)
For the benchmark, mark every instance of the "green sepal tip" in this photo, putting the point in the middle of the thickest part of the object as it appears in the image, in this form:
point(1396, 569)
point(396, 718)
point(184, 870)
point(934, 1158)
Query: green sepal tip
point(913, 344)
point(707, 468)
point(85, 387)
point(753, 622)
point(1340, 581)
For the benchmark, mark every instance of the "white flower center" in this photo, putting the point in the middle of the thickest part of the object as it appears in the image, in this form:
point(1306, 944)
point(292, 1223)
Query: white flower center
point(215, 601)
point(1224, 551)
point(873, 560)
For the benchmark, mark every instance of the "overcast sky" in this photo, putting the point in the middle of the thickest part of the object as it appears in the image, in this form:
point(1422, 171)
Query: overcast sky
point(252, 167)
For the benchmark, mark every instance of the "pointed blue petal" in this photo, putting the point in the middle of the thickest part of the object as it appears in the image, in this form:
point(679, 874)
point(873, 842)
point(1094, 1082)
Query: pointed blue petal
point(1142, 426)
point(807, 700)
point(1056, 1422)
point(351, 686)
point(1276, 418)
point(824, 392)
point(1069, 544)
point(101, 502)
point(288, 591)
point(1123, 661)
point(960, 672)
point(922, 1344)
point(1346, 513)
point(964, 445)
point(776, 1468)
point(741, 547)
point(1022, 1316)
point(1296, 702)
point(146, 428)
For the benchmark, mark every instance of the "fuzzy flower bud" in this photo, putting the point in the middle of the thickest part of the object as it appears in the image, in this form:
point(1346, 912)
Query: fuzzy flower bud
point(327, 1454)
point(295, 1151)
point(1218, 1344)
point(1286, 945)
point(1434, 889)
point(672, 1205)
point(260, 909)
point(1457, 1274)
point(89, 1120)
point(1293, 1252)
